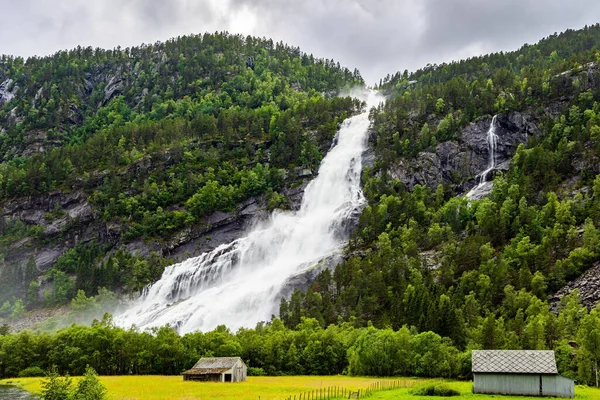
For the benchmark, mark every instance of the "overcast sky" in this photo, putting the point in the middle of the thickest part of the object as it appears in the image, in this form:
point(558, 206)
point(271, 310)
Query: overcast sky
point(376, 36)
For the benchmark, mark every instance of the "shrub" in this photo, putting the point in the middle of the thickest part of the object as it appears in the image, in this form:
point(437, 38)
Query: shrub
point(435, 389)
point(253, 371)
point(89, 387)
point(32, 372)
point(56, 387)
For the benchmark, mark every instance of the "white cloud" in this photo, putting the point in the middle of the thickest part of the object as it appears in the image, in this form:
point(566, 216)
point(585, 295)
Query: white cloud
point(377, 36)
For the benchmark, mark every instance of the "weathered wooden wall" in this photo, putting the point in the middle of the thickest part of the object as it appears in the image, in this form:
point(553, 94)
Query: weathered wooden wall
point(524, 385)
point(239, 372)
point(519, 384)
point(557, 386)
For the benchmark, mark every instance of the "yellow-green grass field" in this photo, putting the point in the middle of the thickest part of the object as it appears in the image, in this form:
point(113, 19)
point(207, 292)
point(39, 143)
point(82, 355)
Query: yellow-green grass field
point(267, 388)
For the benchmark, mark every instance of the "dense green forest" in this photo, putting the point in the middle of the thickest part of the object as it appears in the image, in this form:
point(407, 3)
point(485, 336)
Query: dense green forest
point(156, 138)
point(499, 258)
point(274, 349)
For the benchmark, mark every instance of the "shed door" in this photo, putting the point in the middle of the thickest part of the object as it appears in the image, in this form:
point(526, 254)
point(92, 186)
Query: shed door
point(227, 377)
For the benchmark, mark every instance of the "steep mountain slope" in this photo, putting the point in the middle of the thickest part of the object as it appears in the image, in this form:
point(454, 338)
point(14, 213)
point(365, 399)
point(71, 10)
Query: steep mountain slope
point(478, 272)
point(115, 160)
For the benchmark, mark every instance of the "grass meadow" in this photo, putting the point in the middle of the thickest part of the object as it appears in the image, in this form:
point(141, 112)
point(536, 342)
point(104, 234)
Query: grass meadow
point(263, 388)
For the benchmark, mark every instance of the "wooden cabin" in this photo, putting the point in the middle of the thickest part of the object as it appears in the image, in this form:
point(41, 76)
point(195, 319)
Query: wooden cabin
point(217, 369)
point(519, 372)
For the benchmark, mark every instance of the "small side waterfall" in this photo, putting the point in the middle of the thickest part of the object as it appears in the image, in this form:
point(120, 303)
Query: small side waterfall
point(482, 178)
point(240, 283)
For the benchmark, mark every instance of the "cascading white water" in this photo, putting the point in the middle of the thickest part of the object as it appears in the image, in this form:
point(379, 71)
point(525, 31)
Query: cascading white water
point(239, 284)
point(492, 142)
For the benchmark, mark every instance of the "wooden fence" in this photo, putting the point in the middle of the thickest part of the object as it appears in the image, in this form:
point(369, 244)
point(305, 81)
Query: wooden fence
point(336, 392)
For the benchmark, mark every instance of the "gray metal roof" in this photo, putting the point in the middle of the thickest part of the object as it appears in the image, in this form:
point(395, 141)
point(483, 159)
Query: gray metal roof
point(514, 361)
point(216, 363)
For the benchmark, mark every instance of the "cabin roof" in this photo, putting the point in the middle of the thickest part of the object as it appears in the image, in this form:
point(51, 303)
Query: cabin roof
point(514, 361)
point(217, 362)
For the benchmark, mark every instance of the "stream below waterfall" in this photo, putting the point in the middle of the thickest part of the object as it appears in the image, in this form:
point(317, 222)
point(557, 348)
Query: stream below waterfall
point(15, 393)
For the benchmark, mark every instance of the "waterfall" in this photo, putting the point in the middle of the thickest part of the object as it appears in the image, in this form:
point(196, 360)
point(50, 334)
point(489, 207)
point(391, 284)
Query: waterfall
point(482, 178)
point(240, 283)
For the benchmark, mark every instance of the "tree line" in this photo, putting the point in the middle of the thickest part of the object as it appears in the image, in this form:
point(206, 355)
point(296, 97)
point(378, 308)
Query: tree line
point(309, 349)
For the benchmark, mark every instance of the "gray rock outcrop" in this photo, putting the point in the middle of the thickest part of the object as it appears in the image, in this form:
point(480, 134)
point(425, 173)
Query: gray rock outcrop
point(588, 285)
point(8, 91)
point(68, 219)
point(459, 161)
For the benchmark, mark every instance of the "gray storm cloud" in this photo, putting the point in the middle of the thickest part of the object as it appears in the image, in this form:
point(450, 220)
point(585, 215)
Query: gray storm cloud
point(376, 36)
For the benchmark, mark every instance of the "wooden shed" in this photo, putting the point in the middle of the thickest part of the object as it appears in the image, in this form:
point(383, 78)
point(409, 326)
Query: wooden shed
point(217, 369)
point(519, 372)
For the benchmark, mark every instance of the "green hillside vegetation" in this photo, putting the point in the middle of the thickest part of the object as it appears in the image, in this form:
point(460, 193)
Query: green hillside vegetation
point(158, 136)
point(501, 256)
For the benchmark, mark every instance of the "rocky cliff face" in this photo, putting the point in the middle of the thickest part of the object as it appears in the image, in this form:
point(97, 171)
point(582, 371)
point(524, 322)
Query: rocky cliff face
point(8, 90)
point(64, 219)
point(458, 162)
point(217, 229)
point(68, 219)
point(588, 286)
